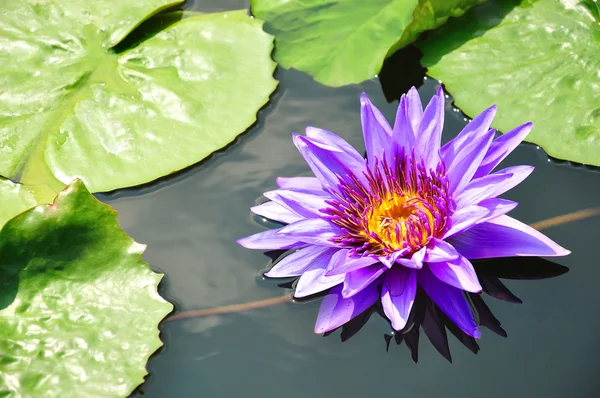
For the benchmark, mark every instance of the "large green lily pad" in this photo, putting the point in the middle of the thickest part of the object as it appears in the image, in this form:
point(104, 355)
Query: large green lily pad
point(78, 305)
point(538, 61)
point(430, 14)
point(16, 198)
point(341, 42)
point(73, 107)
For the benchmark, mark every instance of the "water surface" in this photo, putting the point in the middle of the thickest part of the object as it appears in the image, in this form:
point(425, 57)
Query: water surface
point(190, 222)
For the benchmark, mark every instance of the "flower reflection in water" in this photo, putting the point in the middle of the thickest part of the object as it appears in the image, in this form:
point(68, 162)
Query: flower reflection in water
point(427, 316)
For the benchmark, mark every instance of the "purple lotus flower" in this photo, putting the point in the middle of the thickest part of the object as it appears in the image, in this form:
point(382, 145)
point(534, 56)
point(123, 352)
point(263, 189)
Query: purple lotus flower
point(412, 213)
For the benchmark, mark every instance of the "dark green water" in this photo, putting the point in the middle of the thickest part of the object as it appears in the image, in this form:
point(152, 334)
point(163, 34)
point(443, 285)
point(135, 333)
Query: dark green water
point(190, 222)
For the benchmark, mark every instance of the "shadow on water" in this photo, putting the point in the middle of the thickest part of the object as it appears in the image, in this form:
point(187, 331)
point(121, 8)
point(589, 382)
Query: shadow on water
point(400, 72)
point(428, 317)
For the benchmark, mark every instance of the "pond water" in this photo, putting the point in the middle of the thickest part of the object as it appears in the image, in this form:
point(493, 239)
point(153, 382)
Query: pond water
point(190, 222)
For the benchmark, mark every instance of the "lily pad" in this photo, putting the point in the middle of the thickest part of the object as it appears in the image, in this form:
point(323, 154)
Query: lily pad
point(78, 305)
point(340, 42)
point(429, 15)
point(16, 198)
point(538, 61)
point(73, 106)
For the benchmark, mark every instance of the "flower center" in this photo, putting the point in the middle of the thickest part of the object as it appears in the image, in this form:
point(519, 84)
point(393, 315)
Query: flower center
point(393, 221)
point(392, 208)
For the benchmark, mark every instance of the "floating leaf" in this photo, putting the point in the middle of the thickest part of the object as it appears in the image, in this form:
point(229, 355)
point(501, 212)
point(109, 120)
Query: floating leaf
point(341, 42)
point(537, 60)
point(71, 106)
point(78, 305)
point(16, 198)
point(429, 15)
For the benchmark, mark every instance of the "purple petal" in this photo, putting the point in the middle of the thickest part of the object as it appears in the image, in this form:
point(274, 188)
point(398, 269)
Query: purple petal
point(327, 137)
point(336, 310)
point(296, 263)
point(501, 147)
point(303, 203)
point(314, 280)
point(313, 230)
point(276, 212)
point(390, 259)
point(342, 263)
point(458, 273)
point(269, 240)
point(403, 134)
point(492, 185)
point(477, 127)
point(451, 301)
point(415, 261)
point(329, 165)
point(486, 210)
point(376, 130)
point(430, 130)
point(440, 251)
point(496, 207)
point(356, 281)
point(465, 218)
point(505, 237)
point(466, 162)
point(398, 295)
point(414, 109)
point(306, 183)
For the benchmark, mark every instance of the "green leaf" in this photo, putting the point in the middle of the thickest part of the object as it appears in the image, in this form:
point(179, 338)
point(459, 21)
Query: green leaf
point(337, 42)
point(16, 198)
point(429, 15)
point(74, 107)
point(341, 42)
point(538, 61)
point(78, 305)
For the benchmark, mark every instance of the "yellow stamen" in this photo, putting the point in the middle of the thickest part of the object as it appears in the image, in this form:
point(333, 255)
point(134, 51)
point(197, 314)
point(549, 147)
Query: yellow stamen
point(392, 220)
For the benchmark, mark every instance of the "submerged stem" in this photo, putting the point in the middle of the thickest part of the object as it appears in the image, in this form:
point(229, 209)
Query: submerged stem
point(566, 218)
point(540, 225)
point(231, 308)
